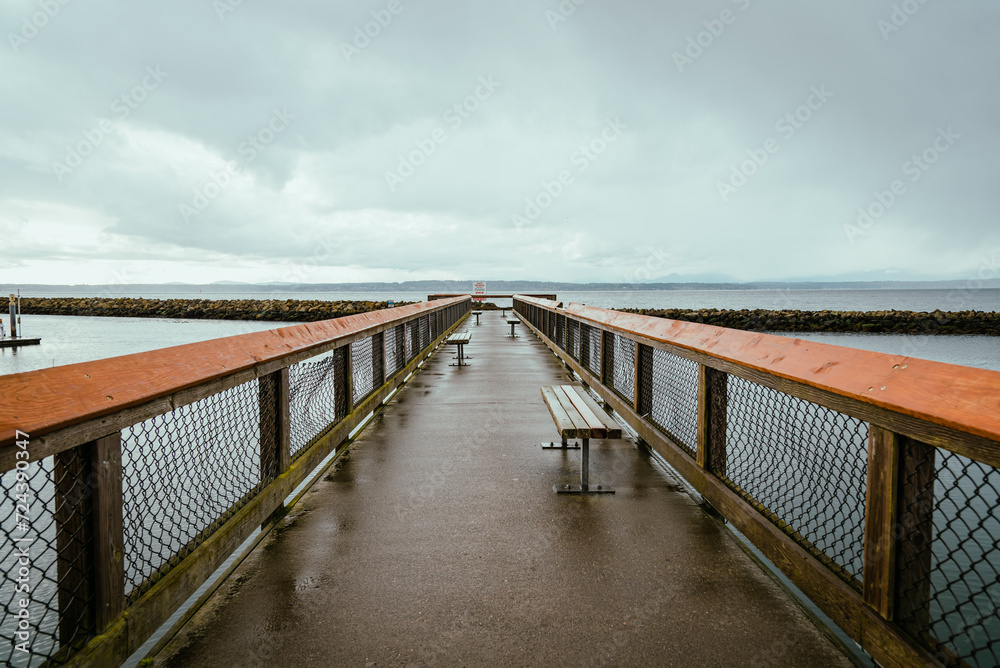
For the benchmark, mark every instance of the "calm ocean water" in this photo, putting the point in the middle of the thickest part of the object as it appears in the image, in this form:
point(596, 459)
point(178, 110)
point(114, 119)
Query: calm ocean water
point(71, 339)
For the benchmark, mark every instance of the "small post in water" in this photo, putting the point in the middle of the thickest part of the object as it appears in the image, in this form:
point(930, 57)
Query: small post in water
point(13, 317)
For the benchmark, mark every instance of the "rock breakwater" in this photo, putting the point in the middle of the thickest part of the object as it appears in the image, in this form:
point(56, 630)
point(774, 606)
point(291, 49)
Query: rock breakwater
point(287, 310)
point(985, 323)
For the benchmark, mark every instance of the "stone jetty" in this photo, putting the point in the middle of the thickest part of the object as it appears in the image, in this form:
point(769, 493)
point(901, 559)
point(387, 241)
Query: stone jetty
point(277, 310)
point(985, 323)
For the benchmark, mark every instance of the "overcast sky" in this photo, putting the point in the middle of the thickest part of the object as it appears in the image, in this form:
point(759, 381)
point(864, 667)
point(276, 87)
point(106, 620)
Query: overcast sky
point(247, 140)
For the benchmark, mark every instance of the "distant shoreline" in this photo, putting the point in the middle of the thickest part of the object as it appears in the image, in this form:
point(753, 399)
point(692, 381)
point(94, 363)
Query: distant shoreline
point(495, 287)
point(291, 310)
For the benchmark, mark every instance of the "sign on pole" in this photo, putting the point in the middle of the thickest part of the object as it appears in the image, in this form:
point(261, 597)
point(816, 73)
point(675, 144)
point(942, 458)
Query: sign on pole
point(478, 291)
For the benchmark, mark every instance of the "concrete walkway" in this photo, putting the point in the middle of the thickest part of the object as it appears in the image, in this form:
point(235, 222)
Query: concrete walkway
point(438, 540)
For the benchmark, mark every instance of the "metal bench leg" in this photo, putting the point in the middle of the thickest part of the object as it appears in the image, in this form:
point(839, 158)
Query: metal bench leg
point(566, 445)
point(584, 487)
point(461, 355)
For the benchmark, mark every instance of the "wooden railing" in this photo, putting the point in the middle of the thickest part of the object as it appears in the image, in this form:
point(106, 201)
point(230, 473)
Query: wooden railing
point(916, 442)
point(65, 431)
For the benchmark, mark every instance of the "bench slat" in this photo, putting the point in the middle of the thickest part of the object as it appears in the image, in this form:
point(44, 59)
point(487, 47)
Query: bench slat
point(577, 415)
point(583, 429)
point(599, 427)
point(564, 425)
point(614, 430)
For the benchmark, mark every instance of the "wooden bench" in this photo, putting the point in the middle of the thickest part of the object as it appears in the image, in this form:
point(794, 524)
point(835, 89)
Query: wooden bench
point(459, 339)
point(477, 314)
point(577, 415)
point(513, 321)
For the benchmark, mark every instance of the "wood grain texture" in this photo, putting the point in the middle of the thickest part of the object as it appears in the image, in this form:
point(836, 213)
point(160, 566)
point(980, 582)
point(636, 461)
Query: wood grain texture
point(962, 398)
point(704, 425)
point(40, 402)
point(564, 425)
point(880, 520)
point(576, 415)
point(109, 530)
point(643, 379)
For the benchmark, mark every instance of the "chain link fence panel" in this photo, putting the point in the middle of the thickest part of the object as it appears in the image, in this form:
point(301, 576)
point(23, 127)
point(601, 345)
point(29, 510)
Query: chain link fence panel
point(804, 467)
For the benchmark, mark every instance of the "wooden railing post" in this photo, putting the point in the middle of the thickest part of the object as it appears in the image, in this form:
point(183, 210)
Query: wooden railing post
point(881, 498)
point(89, 538)
point(378, 360)
point(713, 402)
point(109, 529)
point(899, 507)
point(607, 359)
point(913, 549)
point(643, 380)
point(275, 429)
point(348, 383)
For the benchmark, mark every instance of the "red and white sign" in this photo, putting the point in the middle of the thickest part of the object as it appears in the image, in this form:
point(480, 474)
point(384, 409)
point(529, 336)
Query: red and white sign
point(478, 291)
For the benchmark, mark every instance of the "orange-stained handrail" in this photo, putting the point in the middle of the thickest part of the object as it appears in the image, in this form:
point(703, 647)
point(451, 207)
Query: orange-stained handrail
point(44, 401)
point(963, 398)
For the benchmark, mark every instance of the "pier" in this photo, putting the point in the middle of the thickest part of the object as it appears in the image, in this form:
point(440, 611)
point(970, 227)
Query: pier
point(435, 536)
point(14, 340)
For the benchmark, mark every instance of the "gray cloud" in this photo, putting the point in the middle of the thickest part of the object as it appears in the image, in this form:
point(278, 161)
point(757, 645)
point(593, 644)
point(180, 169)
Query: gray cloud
point(699, 92)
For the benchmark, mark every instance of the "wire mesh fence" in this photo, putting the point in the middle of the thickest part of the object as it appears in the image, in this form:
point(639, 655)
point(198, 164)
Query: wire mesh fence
point(671, 385)
point(950, 573)
point(38, 517)
point(411, 340)
point(803, 466)
point(185, 473)
point(622, 366)
point(314, 396)
point(425, 333)
point(394, 353)
point(573, 339)
point(362, 368)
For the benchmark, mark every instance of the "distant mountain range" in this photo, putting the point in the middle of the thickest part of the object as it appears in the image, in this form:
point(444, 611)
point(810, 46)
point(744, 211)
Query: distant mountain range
point(501, 287)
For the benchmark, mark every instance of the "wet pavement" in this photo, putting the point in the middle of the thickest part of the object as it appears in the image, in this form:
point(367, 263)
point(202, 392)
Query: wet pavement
point(438, 540)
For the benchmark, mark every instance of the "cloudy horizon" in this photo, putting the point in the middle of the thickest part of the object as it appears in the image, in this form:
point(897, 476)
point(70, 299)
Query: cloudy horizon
point(569, 140)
